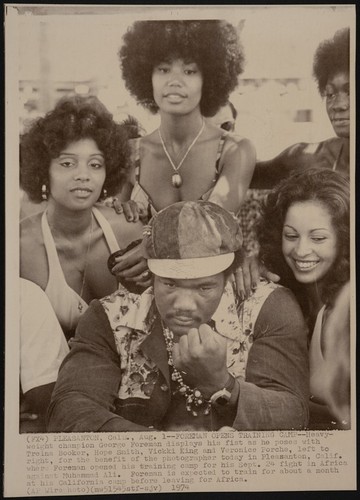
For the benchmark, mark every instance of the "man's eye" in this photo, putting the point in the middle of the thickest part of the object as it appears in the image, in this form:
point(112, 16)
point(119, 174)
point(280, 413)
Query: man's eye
point(169, 285)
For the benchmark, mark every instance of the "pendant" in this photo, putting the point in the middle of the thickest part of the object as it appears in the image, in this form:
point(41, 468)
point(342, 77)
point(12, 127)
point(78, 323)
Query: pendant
point(80, 307)
point(176, 180)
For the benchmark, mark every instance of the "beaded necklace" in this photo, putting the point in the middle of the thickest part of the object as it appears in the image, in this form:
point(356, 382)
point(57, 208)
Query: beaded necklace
point(194, 400)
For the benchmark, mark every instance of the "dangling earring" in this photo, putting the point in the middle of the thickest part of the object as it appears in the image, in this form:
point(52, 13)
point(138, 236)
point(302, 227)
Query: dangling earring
point(104, 194)
point(44, 192)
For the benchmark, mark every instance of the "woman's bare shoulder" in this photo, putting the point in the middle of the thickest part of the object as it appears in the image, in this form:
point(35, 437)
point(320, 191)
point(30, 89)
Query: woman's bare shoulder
point(125, 232)
point(30, 228)
point(237, 140)
point(344, 295)
point(238, 151)
point(32, 251)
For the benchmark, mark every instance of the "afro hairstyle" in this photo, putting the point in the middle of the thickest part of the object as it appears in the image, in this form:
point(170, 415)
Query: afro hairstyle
point(212, 44)
point(331, 57)
point(72, 119)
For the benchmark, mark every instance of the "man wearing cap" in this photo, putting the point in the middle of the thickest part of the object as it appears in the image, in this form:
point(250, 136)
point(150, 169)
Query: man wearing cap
point(183, 355)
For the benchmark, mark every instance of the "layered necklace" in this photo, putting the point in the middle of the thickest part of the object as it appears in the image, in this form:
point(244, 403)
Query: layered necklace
point(194, 400)
point(176, 178)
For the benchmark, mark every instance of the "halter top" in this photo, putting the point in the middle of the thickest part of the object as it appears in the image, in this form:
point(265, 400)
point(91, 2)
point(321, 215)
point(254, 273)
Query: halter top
point(143, 199)
point(67, 304)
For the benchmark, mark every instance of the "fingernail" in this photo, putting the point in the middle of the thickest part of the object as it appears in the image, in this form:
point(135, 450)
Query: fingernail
point(254, 286)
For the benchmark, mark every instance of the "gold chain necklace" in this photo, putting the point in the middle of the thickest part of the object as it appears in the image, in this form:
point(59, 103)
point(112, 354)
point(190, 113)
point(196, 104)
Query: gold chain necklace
point(176, 178)
point(195, 401)
point(80, 306)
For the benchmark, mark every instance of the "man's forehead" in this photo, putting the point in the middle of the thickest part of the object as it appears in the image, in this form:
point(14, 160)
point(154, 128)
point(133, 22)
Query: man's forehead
point(214, 278)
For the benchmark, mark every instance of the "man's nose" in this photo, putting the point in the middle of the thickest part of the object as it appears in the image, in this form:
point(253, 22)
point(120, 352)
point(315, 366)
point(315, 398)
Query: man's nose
point(184, 300)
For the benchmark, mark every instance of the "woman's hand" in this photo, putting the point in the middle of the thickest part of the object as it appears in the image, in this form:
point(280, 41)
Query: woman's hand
point(130, 266)
point(248, 274)
point(132, 210)
point(247, 277)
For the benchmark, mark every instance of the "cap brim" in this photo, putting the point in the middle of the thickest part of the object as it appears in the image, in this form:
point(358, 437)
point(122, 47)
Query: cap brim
point(190, 268)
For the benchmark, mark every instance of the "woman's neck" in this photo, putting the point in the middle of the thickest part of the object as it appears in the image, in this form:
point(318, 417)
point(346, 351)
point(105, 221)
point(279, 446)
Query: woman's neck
point(313, 293)
point(68, 223)
point(180, 129)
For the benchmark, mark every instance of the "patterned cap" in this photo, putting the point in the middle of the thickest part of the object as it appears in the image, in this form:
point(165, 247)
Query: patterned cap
point(191, 239)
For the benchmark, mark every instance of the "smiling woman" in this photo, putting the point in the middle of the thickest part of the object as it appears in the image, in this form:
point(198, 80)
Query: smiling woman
point(71, 158)
point(304, 236)
point(309, 241)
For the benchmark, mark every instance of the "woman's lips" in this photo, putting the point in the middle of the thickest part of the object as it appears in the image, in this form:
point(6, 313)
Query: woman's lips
point(174, 99)
point(81, 192)
point(306, 265)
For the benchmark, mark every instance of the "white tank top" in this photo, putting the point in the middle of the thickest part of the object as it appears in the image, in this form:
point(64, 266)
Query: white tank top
point(67, 304)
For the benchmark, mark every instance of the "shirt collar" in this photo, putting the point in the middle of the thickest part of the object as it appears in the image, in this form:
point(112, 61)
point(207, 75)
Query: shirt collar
point(140, 312)
point(226, 317)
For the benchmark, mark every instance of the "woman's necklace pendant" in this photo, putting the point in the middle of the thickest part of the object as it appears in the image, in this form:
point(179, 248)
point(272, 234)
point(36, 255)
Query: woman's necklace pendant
point(176, 180)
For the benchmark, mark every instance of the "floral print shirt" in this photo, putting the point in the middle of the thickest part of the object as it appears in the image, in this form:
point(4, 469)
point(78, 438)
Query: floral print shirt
point(132, 316)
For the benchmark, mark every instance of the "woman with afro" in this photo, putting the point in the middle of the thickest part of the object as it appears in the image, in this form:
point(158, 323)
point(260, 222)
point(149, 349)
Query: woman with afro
point(331, 69)
point(185, 71)
point(72, 157)
point(304, 236)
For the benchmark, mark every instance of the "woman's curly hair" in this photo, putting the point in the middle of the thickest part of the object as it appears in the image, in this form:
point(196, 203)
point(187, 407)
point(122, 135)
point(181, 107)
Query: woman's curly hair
point(212, 44)
point(330, 189)
point(72, 119)
point(331, 57)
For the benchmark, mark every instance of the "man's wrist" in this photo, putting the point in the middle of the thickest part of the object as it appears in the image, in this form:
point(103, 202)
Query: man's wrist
point(208, 390)
point(222, 397)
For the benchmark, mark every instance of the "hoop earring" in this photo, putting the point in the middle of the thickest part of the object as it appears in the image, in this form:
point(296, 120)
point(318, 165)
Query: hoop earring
point(44, 192)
